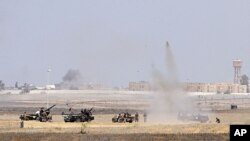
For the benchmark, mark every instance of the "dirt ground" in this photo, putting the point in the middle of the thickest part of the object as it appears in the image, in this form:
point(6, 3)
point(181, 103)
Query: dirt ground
point(111, 137)
point(102, 127)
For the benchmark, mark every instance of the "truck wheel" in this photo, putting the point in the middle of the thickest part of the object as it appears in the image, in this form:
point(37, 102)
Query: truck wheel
point(120, 120)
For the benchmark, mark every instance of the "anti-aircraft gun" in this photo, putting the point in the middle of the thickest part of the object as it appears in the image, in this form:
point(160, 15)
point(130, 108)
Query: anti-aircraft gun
point(84, 116)
point(43, 115)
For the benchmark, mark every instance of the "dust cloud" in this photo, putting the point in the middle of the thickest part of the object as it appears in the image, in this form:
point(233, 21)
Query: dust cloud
point(168, 98)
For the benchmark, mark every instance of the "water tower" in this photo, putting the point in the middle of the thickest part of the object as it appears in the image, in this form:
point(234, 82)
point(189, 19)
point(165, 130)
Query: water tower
point(237, 64)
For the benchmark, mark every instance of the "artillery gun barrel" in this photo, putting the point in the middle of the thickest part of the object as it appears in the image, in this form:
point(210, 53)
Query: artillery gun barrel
point(50, 108)
point(91, 109)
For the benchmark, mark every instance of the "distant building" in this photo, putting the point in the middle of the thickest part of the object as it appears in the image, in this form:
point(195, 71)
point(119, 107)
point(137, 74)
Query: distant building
point(50, 87)
point(81, 86)
point(225, 88)
point(94, 86)
point(139, 86)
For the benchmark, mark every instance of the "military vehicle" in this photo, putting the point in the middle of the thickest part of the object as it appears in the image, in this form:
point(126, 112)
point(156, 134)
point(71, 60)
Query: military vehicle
point(84, 116)
point(123, 117)
point(26, 88)
point(185, 116)
point(42, 115)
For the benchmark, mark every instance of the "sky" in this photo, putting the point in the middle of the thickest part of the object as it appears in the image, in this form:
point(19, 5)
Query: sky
point(117, 41)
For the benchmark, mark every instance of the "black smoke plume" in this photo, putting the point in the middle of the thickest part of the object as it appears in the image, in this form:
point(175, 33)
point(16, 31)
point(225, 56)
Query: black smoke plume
point(72, 76)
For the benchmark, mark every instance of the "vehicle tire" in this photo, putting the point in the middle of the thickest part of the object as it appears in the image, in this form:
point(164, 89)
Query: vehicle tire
point(120, 120)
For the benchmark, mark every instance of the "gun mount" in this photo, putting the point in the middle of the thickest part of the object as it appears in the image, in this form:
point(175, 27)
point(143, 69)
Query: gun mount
point(123, 117)
point(84, 116)
point(42, 115)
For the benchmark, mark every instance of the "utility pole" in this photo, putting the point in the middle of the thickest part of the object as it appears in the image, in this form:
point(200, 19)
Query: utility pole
point(47, 87)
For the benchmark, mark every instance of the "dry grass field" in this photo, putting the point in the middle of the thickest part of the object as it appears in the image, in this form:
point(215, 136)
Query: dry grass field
point(103, 129)
point(106, 105)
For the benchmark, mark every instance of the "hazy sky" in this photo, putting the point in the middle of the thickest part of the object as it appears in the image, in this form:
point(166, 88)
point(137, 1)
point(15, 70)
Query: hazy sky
point(116, 41)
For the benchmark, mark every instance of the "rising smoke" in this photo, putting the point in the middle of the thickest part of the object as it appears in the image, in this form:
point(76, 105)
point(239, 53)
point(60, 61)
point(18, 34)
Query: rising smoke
point(168, 98)
point(72, 80)
point(72, 76)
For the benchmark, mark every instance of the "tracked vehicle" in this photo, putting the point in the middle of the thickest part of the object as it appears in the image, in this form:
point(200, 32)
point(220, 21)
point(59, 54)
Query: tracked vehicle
point(43, 115)
point(84, 116)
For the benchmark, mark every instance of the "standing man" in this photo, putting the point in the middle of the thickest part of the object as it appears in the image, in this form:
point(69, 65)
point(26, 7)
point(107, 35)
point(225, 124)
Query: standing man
point(145, 116)
point(71, 111)
point(136, 117)
point(42, 112)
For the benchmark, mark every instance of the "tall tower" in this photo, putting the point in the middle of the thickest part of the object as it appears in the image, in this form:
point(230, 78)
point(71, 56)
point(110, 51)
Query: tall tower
point(237, 64)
